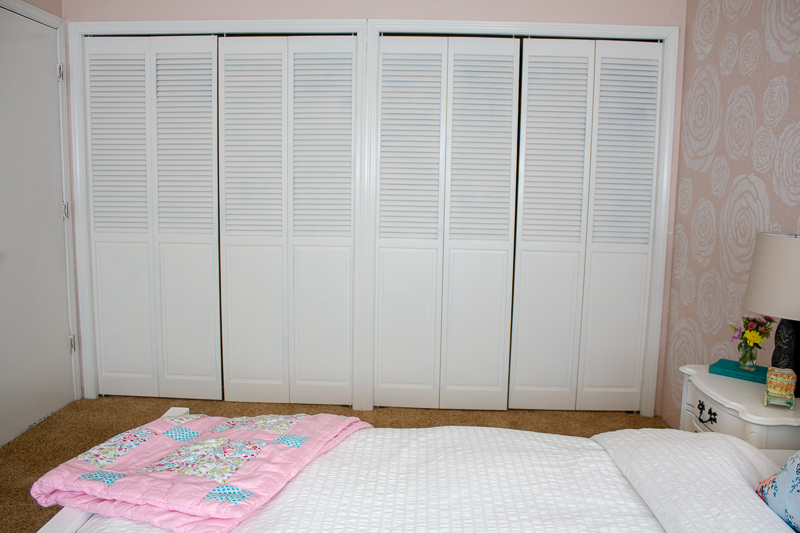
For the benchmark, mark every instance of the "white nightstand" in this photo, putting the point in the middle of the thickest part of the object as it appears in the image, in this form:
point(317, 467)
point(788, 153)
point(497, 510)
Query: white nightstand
point(736, 407)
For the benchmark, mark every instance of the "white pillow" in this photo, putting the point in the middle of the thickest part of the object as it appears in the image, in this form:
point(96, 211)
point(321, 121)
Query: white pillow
point(699, 482)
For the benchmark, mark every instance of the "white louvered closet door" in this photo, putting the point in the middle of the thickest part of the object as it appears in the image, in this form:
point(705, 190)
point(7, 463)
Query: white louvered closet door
point(412, 127)
point(253, 94)
point(481, 170)
point(555, 143)
point(620, 230)
point(153, 200)
point(185, 201)
point(118, 80)
point(448, 118)
point(321, 78)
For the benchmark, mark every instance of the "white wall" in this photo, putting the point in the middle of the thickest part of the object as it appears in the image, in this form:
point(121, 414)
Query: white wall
point(51, 6)
point(642, 12)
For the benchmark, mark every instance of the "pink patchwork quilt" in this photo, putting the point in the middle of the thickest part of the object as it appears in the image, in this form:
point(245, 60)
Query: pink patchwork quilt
point(194, 472)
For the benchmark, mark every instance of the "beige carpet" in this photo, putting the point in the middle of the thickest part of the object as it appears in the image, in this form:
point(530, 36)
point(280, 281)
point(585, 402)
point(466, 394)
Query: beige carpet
point(85, 423)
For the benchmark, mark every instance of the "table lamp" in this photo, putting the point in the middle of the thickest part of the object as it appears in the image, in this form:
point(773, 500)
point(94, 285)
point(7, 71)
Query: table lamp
point(773, 289)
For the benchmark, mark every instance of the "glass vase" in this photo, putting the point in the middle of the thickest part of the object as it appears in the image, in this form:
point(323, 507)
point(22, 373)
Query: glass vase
point(747, 357)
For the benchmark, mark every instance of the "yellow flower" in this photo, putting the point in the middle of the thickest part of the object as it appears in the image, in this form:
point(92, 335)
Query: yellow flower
point(753, 337)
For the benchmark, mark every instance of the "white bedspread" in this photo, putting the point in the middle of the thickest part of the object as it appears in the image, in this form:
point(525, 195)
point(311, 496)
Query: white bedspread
point(489, 479)
point(449, 479)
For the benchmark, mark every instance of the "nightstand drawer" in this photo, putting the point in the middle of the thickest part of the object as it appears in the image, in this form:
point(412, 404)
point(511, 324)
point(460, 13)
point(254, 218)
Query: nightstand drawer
point(711, 415)
point(694, 425)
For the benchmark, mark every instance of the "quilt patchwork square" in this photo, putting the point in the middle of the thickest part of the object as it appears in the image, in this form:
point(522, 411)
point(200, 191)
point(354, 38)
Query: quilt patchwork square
point(109, 478)
point(273, 423)
point(182, 419)
point(181, 433)
point(109, 451)
point(288, 439)
point(214, 459)
point(228, 493)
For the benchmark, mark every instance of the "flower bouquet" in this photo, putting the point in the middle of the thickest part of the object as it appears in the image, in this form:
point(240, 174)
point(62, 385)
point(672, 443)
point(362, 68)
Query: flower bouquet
point(750, 335)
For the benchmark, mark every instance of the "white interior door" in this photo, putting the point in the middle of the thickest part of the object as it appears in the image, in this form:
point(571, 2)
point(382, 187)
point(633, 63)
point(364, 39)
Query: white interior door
point(287, 124)
point(555, 140)
point(185, 202)
point(481, 173)
point(447, 133)
point(37, 376)
point(585, 215)
point(253, 98)
point(620, 231)
point(412, 128)
point(153, 200)
point(118, 80)
point(321, 77)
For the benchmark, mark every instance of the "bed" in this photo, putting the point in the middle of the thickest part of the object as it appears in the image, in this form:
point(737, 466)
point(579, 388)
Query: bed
point(492, 479)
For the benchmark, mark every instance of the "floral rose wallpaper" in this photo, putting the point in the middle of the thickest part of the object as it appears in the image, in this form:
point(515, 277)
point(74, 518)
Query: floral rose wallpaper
point(738, 175)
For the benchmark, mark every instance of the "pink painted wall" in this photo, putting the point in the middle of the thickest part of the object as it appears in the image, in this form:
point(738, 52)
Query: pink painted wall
point(617, 12)
point(739, 172)
point(51, 6)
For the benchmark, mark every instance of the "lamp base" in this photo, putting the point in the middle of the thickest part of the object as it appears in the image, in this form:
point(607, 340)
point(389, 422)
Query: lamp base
point(787, 347)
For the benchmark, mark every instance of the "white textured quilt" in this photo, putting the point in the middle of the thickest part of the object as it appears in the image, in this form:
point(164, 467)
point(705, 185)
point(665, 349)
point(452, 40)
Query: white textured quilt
point(449, 479)
point(489, 479)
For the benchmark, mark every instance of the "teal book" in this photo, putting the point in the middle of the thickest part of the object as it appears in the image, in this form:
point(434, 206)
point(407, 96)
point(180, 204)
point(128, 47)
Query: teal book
point(726, 367)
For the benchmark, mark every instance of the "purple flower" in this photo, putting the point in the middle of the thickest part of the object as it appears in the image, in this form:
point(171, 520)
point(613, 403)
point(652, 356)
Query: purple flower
point(737, 334)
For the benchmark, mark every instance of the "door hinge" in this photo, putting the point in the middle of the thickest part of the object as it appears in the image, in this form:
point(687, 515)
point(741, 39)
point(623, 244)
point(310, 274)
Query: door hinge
point(73, 344)
point(65, 210)
point(60, 72)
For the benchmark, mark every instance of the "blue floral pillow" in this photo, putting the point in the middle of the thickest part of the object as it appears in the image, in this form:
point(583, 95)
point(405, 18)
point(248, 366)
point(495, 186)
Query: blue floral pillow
point(782, 492)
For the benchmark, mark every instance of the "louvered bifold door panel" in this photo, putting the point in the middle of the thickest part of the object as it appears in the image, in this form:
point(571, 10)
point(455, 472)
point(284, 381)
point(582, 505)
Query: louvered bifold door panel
point(620, 230)
point(481, 168)
point(117, 118)
point(412, 127)
point(253, 236)
point(322, 98)
point(555, 143)
point(184, 144)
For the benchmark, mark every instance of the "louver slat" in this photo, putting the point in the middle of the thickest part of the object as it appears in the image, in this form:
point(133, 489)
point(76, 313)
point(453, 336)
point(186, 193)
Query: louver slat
point(322, 160)
point(253, 122)
point(185, 141)
point(410, 140)
point(555, 145)
point(482, 147)
point(118, 138)
point(626, 150)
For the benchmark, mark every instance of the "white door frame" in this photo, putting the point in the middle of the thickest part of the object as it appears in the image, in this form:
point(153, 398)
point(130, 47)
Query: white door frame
point(57, 23)
point(366, 120)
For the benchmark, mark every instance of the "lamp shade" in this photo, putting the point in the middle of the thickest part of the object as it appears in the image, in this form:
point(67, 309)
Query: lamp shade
point(773, 287)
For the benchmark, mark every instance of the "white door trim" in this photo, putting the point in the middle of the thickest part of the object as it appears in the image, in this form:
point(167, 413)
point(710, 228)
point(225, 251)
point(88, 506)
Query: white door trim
point(69, 199)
